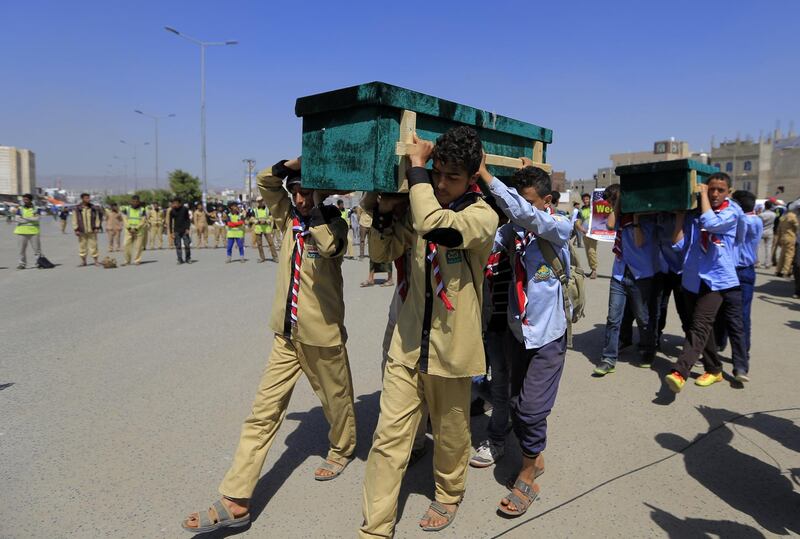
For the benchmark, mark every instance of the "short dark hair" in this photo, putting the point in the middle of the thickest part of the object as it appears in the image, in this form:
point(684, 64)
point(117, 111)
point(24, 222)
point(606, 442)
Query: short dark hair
point(532, 177)
point(586, 195)
point(611, 191)
point(340, 201)
point(113, 204)
point(576, 204)
point(28, 195)
point(232, 203)
point(745, 199)
point(135, 197)
point(556, 196)
point(769, 205)
point(720, 176)
point(176, 199)
point(460, 146)
point(85, 195)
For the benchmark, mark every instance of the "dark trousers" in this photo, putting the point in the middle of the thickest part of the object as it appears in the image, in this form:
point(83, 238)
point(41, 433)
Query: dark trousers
point(636, 294)
point(496, 389)
point(671, 285)
point(653, 303)
point(747, 282)
point(186, 239)
point(535, 375)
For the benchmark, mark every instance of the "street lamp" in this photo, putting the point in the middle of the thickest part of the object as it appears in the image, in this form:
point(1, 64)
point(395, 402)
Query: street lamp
point(202, 45)
point(156, 118)
point(135, 163)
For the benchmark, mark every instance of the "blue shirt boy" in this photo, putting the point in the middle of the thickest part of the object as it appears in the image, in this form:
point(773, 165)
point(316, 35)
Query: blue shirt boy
point(709, 253)
point(641, 261)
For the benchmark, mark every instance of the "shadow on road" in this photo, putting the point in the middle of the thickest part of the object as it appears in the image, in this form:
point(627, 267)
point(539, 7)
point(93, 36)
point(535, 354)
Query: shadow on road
point(744, 482)
point(698, 528)
point(6, 385)
point(775, 287)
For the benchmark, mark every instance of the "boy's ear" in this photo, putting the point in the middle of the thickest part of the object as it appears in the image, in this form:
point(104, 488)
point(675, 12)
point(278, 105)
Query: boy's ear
point(474, 178)
point(548, 199)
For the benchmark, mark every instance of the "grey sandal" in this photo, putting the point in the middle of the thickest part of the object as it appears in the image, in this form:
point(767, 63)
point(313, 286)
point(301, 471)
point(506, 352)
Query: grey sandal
point(521, 504)
point(224, 519)
point(441, 510)
point(334, 467)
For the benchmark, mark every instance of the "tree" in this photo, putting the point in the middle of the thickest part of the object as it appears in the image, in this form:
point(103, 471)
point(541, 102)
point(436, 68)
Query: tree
point(185, 186)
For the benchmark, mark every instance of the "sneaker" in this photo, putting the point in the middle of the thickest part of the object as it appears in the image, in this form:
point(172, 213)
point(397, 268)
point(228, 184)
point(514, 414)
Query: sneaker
point(706, 379)
point(487, 454)
point(675, 381)
point(21, 266)
point(180, 262)
point(741, 377)
point(228, 261)
point(646, 361)
point(604, 368)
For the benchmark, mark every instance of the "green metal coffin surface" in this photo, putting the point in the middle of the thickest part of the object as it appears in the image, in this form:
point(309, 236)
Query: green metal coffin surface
point(661, 186)
point(350, 135)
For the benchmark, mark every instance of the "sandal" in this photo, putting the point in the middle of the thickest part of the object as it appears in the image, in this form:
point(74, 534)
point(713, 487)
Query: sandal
point(521, 504)
point(441, 510)
point(509, 484)
point(334, 467)
point(387, 283)
point(221, 518)
point(366, 284)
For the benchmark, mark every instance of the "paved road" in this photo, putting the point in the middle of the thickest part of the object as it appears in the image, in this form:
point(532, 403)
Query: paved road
point(123, 392)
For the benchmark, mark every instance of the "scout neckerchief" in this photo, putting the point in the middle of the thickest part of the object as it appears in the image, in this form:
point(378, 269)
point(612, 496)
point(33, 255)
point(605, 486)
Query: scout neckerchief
point(520, 275)
point(468, 198)
point(626, 220)
point(402, 277)
point(706, 238)
point(300, 231)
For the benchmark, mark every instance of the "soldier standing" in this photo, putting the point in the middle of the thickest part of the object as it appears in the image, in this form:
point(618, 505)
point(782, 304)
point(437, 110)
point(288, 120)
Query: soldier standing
point(135, 219)
point(114, 224)
point(262, 229)
point(200, 221)
point(87, 220)
point(155, 220)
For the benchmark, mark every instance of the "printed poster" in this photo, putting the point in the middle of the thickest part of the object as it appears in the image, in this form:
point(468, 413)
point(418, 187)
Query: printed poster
point(598, 218)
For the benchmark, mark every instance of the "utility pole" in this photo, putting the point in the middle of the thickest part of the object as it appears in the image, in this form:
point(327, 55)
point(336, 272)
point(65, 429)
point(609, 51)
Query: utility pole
point(251, 164)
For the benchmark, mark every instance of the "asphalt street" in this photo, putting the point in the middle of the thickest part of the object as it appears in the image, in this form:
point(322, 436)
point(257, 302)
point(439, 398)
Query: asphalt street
point(122, 393)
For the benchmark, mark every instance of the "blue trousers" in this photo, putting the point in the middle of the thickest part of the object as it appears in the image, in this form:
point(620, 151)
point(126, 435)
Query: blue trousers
point(239, 243)
point(747, 282)
point(495, 390)
point(535, 375)
point(636, 293)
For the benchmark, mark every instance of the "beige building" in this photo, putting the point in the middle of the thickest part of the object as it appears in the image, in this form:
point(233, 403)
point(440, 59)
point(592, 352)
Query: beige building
point(663, 150)
point(17, 171)
point(766, 167)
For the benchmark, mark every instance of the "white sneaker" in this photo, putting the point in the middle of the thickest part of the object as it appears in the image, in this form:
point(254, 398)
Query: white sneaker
point(487, 454)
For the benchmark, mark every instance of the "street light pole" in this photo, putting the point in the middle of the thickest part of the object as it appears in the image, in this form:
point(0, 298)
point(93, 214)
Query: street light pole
point(251, 163)
point(202, 45)
point(156, 119)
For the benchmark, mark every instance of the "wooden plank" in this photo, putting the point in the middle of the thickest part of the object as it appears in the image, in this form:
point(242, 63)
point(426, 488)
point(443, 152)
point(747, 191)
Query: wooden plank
point(408, 125)
point(695, 187)
point(403, 148)
point(538, 152)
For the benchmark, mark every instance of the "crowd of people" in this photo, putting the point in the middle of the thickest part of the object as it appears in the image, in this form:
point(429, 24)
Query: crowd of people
point(481, 308)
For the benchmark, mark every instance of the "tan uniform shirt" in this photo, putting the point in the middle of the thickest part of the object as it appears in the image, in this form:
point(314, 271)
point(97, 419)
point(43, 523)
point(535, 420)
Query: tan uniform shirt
point(86, 217)
point(155, 218)
point(320, 303)
point(364, 218)
point(787, 227)
point(114, 220)
point(199, 219)
point(441, 342)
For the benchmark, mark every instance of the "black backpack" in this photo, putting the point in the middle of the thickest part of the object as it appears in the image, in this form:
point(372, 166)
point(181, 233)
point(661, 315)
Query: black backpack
point(43, 263)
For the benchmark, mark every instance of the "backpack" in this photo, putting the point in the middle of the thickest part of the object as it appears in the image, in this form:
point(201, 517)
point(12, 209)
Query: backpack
point(43, 263)
point(574, 288)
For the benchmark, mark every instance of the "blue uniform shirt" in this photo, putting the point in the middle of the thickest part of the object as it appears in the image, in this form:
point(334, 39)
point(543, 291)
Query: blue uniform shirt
point(715, 266)
point(672, 260)
point(746, 247)
point(642, 261)
point(545, 316)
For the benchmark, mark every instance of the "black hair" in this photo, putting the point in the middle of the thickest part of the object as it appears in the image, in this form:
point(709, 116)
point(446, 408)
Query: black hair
point(574, 204)
point(556, 196)
point(176, 199)
point(460, 146)
point(769, 205)
point(28, 195)
point(720, 176)
point(135, 197)
point(532, 177)
point(114, 204)
point(611, 192)
point(745, 199)
point(340, 201)
point(585, 195)
point(85, 195)
point(232, 203)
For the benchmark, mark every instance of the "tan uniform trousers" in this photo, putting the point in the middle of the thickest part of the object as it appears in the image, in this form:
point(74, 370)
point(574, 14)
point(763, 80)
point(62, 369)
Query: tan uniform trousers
point(201, 233)
point(219, 235)
point(404, 392)
point(134, 245)
point(269, 236)
point(328, 372)
point(156, 236)
point(87, 244)
point(787, 254)
point(113, 240)
point(590, 244)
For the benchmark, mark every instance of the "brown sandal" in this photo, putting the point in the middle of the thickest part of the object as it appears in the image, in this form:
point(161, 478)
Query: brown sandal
point(220, 518)
point(521, 503)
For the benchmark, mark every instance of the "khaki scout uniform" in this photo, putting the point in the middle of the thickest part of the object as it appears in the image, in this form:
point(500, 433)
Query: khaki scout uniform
point(155, 221)
point(433, 355)
point(364, 225)
point(200, 221)
point(315, 346)
point(114, 222)
point(135, 220)
point(87, 221)
point(219, 227)
point(787, 236)
point(262, 227)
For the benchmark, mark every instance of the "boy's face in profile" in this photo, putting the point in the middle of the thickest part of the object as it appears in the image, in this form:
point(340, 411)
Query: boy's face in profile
point(538, 202)
point(450, 182)
point(303, 200)
point(718, 191)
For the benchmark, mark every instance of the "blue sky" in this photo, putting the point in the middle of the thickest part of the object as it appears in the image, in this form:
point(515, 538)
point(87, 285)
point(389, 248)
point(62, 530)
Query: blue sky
point(607, 77)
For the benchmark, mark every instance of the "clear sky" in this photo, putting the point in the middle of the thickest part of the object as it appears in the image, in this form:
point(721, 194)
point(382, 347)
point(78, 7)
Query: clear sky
point(607, 77)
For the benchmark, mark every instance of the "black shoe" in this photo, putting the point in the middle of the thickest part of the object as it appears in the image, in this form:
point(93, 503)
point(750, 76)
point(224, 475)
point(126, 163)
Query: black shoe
point(189, 260)
point(180, 262)
point(477, 407)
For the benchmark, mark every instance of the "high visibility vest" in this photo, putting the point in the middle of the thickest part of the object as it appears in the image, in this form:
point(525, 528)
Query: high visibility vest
point(344, 215)
point(27, 229)
point(263, 215)
point(134, 217)
point(237, 232)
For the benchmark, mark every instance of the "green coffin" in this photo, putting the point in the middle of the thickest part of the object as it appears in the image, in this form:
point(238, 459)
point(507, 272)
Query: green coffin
point(661, 186)
point(350, 135)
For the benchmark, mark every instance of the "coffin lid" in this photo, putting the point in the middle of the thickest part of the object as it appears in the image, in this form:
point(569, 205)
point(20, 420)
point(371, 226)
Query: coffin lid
point(665, 166)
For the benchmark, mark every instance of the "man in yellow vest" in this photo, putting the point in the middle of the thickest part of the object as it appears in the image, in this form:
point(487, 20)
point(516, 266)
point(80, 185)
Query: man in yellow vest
point(155, 219)
point(262, 228)
point(87, 220)
point(235, 224)
point(135, 223)
point(27, 229)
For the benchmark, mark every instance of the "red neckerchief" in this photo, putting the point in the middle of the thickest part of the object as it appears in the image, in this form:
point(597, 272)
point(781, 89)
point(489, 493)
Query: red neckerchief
point(520, 275)
point(707, 238)
point(300, 231)
point(625, 220)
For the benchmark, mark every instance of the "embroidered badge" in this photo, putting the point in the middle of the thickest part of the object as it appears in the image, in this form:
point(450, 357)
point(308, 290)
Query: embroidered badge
point(544, 273)
point(312, 251)
point(454, 256)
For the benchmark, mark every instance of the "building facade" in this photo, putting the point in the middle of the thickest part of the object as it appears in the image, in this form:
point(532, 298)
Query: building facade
point(17, 171)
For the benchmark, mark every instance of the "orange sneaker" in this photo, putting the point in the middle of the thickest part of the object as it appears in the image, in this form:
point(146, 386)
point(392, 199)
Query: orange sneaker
point(675, 381)
point(706, 379)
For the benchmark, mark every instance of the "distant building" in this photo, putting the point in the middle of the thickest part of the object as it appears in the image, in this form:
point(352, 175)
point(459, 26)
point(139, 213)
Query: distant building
point(766, 167)
point(17, 171)
point(663, 150)
point(559, 181)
